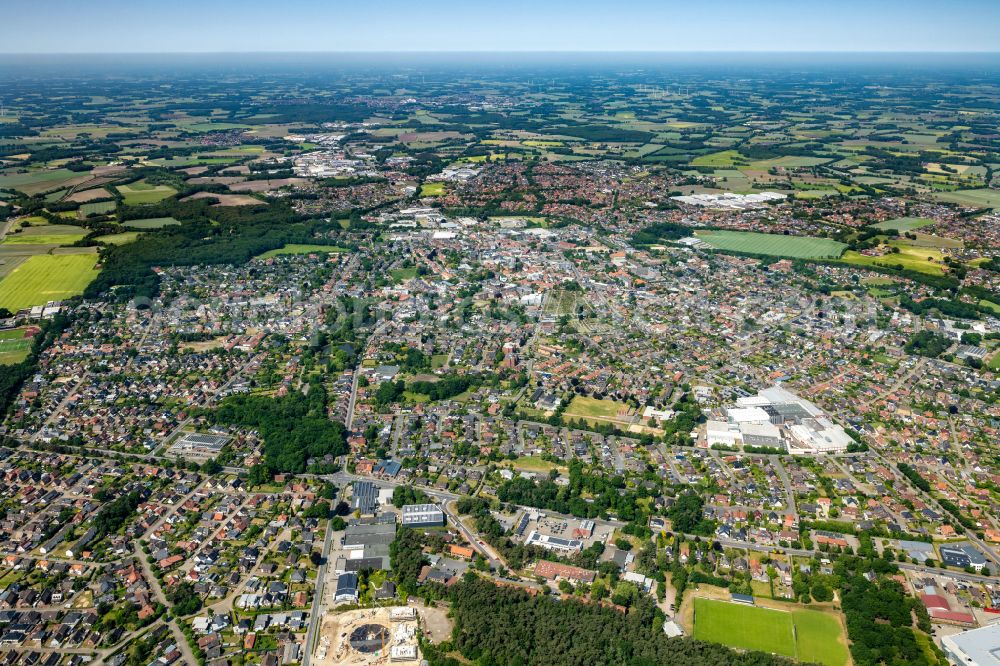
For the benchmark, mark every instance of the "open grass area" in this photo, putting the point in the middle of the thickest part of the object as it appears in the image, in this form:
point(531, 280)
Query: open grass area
point(914, 259)
point(582, 406)
point(797, 247)
point(534, 464)
point(432, 190)
point(904, 223)
point(302, 249)
point(990, 305)
point(46, 277)
point(806, 635)
point(403, 274)
point(141, 192)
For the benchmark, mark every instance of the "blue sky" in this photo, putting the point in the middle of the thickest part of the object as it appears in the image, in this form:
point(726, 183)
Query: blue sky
point(102, 26)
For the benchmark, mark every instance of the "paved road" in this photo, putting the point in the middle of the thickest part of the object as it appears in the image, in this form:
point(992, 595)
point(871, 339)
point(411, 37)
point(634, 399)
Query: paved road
point(315, 612)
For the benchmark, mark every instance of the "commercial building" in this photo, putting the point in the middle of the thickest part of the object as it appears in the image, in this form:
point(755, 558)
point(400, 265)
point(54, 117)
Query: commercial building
point(347, 588)
point(556, 571)
point(422, 515)
point(366, 544)
point(364, 497)
point(962, 555)
point(557, 544)
point(777, 418)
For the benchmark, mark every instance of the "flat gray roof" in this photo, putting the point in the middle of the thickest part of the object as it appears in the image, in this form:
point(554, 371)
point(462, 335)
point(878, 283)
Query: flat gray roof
point(982, 645)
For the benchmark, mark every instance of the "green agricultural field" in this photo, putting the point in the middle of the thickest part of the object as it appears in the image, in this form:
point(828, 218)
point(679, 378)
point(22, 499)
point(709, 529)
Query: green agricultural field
point(142, 192)
point(725, 158)
point(981, 198)
point(35, 182)
point(213, 127)
point(46, 277)
point(432, 190)
point(790, 162)
point(302, 249)
point(50, 234)
point(151, 223)
point(97, 208)
point(904, 223)
point(796, 247)
point(806, 635)
point(118, 239)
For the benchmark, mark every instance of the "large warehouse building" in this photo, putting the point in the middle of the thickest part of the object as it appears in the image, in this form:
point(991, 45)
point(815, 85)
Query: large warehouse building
point(979, 647)
point(777, 418)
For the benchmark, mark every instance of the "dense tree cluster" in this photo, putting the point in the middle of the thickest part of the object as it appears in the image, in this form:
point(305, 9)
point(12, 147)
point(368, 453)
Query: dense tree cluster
point(879, 614)
point(927, 343)
point(446, 387)
point(14, 375)
point(183, 599)
point(113, 515)
point(914, 477)
point(687, 515)
point(949, 308)
point(664, 231)
point(403, 495)
point(506, 626)
point(407, 557)
point(294, 427)
point(604, 494)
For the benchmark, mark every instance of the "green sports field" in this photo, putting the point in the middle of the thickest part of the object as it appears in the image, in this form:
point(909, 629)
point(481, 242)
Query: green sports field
point(432, 190)
point(795, 247)
point(14, 347)
point(45, 277)
point(806, 635)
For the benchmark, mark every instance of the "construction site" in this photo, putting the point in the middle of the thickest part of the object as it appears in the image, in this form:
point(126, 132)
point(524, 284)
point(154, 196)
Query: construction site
point(367, 637)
